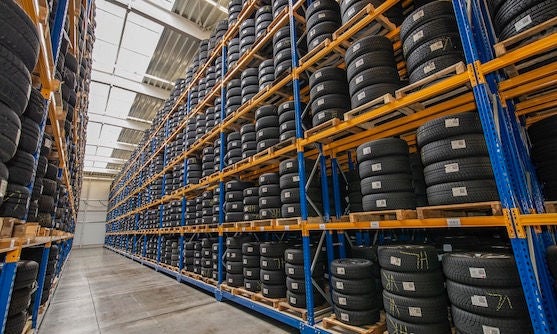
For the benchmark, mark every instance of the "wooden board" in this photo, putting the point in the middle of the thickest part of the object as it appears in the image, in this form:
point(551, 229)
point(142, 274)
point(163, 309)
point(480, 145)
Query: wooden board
point(382, 215)
point(268, 301)
point(460, 210)
point(334, 325)
point(550, 206)
point(503, 47)
point(302, 313)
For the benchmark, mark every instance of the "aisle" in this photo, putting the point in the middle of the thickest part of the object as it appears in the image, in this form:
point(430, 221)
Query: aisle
point(102, 292)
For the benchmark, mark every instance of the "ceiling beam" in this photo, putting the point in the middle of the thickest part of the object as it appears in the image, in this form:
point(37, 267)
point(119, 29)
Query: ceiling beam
point(127, 84)
point(164, 17)
point(98, 158)
point(119, 122)
point(119, 146)
point(100, 170)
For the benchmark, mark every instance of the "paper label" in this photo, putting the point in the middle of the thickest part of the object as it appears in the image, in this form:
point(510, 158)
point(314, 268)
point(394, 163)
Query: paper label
point(234, 206)
point(263, 250)
point(417, 15)
point(264, 190)
point(351, 11)
point(3, 187)
point(320, 102)
point(453, 222)
point(458, 144)
point(321, 115)
point(296, 178)
point(317, 76)
point(415, 311)
point(356, 47)
point(321, 15)
point(452, 122)
point(524, 22)
point(290, 209)
point(459, 191)
point(287, 194)
point(266, 277)
point(320, 87)
point(292, 300)
point(345, 317)
point(342, 300)
point(340, 271)
point(290, 256)
point(359, 79)
point(249, 273)
point(376, 185)
point(376, 167)
point(395, 261)
point(228, 267)
point(250, 249)
point(381, 203)
point(429, 67)
point(264, 263)
point(245, 261)
point(339, 285)
point(417, 36)
point(47, 142)
point(359, 62)
point(362, 95)
point(248, 285)
point(262, 144)
point(249, 192)
point(232, 255)
point(289, 165)
point(374, 224)
point(480, 301)
point(312, 32)
point(265, 290)
point(490, 330)
point(283, 127)
point(451, 168)
point(408, 286)
point(436, 46)
point(367, 150)
point(294, 285)
point(291, 271)
point(477, 272)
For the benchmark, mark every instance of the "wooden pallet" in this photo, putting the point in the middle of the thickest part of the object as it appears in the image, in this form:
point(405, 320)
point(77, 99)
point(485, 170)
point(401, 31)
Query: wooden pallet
point(227, 288)
point(529, 35)
point(334, 325)
point(455, 69)
point(244, 293)
point(381, 25)
point(377, 103)
point(551, 206)
point(460, 210)
point(382, 215)
point(302, 313)
point(273, 302)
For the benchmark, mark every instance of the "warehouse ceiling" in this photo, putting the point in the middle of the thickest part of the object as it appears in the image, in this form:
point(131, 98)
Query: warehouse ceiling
point(141, 48)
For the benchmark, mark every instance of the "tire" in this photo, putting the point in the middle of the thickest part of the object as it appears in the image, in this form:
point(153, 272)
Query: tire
point(448, 44)
point(299, 299)
point(351, 268)
point(392, 164)
point(15, 201)
point(250, 261)
point(21, 168)
point(19, 34)
point(373, 76)
point(381, 147)
point(389, 201)
point(46, 203)
point(233, 254)
point(10, 127)
point(234, 267)
point(366, 45)
point(272, 249)
point(418, 17)
point(359, 302)
point(330, 102)
point(371, 59)
point(416, 310)
point(397, 326)
point(387, 184)
point(413, 285)
point(540, 13)
point(491, 302)
point(16, 323)
point(268, 179)
point(252, 273)
point(251, 249)
point(20, 301)
point(273, 291)
point(269, 190)
point(271, 263)
point(470, 323)
point(252, 285)
point(26, 274)
point(295, 271)
point(326, 115)
point(327, 88)
point(408, 258)
point(235, 280)
point(36, 108)
point(15, 81)
point(49, 187)
point(354, 286)
point(370, 93)
point(29, 140)
point(481, 269)
point(435, 65)
point(462, 192)
point(463, 146)
point(439, 26)
point(325, 15)
point(291, 166)
point(475, 168)
point(356, 318)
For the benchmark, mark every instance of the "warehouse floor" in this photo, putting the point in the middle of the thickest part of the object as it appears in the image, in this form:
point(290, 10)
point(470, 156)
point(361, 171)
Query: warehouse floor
point(102, 292)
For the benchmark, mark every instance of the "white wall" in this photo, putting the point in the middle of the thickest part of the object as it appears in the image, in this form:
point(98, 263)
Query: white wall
point(91, 218)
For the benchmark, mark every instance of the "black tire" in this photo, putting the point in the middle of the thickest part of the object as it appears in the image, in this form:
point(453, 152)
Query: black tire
point(416, 310)
point(16, 323)
point(322, 75)
point(252, 273)
point(366, 45)
point(329, 87)
point(19, 34)
point(251, 261)
point(439, 26)
point(273, 277)
point(330, 102)
point(448, 44)
point(359, 302)
point(26, 274)
point(423, 14)
point(49, 187)
point(29, 140)
point(15, 201)
point(295, 285)
point(36, 107)
point(435, 65)
point(414, 285)
point(470, 323)
point(354, 286)
point(319, 6)
point(537, 14)
point(323, 16)
point(408, 258)
point(15, 81)
point(472, 145)
point(481, 269)
point(373, 76)
point(273, 291)
point(389, 201)
point(491, 302)
point(372, 92)
point(250, 249)
point(291, 166)
point(252, 285)
point(386, 184)
point(396, 326)
point(299, 299)
point(352, 268)
point(384, 165)
point(272, 249)
point(10, 127)
point(368, 60)
point(46, 203)
point(234, 267)
point(449, 126)
point(21, 168)
point(268, 179)
point(233, 255)
point(475, 168)
point(357, 318)
point(269, 190)
point(235, 280)
point(381, 147)
point(462, 192)
point(20, 301)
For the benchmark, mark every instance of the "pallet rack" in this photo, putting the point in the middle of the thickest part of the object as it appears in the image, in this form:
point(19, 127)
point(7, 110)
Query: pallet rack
point(50, 38)
point(479, 83)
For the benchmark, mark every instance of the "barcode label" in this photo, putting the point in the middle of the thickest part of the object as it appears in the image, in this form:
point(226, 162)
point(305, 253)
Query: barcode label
point(265, 277)
point(340, 271)
point(436, 46)
point(429, 67)
point(320, 87)
point(381, 203)
point(524, 22)
point(376, 167)
point(294, 285)
point(452, 122)
point(458, 144)
point(342, 300)
point(490, 330)
point(415, 311)
point(362, 95)
point(459, 191)
point(408, 286)
point(451, 168)
point(376, 185)
point(359, 79)
point(480, 301)
point(395, 261)
point(367, 150)
point(287, 194)
point(290, 209)
point(453, 222)
point(359, 63)
point(477, 272)
point(339, 285)
point(356, 47)
point(416, 16)
point(417, 36)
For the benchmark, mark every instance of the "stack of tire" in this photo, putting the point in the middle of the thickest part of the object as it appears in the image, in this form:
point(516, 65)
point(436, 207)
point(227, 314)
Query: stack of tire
point(349, 8)
point(190, 212)
point(418, 179)
point(269, 196)
point(295, 279)
point(201, 91)
point(290, 188)
point(209, 86)
point(234, 9)
point(263, 18)
point(209, 119)
point(457, 166)
point(47, 198)
point(170, 251)
point(414, 296)
point(215, 261)
point(50, 272)
point(197, 255)
point(266, 127)
point(511, 17)
point(251, 264)
point(273, 279)
point(430, 40)
point(282, 56)
point(486, 293)
point(233, 148)
point(328, 94)
point(233, 52)
point(216, 206)
point(198, 211)
point(207, 203)
point(278, 7)
point(247, 35)
point(207, 257)
point(322, 20)
point(152, 249)
point(234, 261)
point(355, 292)
point(191, 132)
point(251, 204)
point(249, 144)
point(384, 169)
point(250, 83)
point(371, 69)
point(354, 192)
point(216, 155)
point(193, 173)
point(544, 154)
point(174, 253)
point(218, 108)
point(234, 204)
point(233, 96)
point(287, 120)
point(203, 53)
point(207, 161)
point(266, 73)
point(26, 274)
point(200, 125)
point(189, 252)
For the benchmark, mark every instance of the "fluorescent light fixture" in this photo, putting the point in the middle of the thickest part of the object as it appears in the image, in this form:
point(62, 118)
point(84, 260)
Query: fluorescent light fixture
point(219, 6)
point(158, 79)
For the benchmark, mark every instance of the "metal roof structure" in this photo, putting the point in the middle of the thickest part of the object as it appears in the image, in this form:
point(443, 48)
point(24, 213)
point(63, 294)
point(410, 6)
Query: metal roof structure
point(142, 47)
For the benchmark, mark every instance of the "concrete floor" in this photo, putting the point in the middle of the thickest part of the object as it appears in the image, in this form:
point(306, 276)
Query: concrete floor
point(103, 292)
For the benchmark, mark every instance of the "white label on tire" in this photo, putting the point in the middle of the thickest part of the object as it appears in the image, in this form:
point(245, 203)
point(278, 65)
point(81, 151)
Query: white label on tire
point(356, 47)
point(232, 255)
point(408, 286)
point(524, 22)
point(447, 248)
point(351, 11)
point(290, 209)
point(395, 261)
point(417, 36)
point(294, 285)
point(290, 256)
point(317, 76)
point(245, 261)
point(320, 102)
point(362, 95)
point(376, 167)
point(312, 32)
point(359, 79)
point(477, 272)
point(234, 206)
point(458, 144)
point(339, 286)
point(480, 301)
point(230, 280)
point(321, 15)
point(229, 267)
point(266, 291)
point(416, 16)
point(296, 178)
point(359, 63)
point(490, 330)
point(249, 192)
point(320, 87)
point(381, 203)
point(459, 191)
point(429, 67)
point(234, 144)
point(436, 46)
point(344, 317)
point(48, 142)
point(264, 263)
point(289, 165)
point(452, 122)
point(248, 285)
point(451, 168)
point(415, 311)
point(342, 300)
point(321, 115)
point(249, 273)
point(264, 250)
point(292, 300)
point(266, 277)
point(287, 194)
point(367, 150)
point(341, 271)
point(264, 189)
point(291, 271)
point(250, 249)
point(376, 185)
